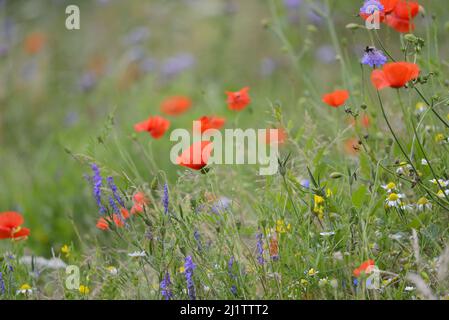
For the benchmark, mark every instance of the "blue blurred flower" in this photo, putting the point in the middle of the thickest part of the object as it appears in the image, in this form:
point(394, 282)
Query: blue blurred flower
point(292, 4)
point(374, 58)
point(2, 284)
point(165, 198)
point(260, 258)
point(165, 287)
point(326, 54)
point(370, 6)
point(114, 189)
point(87, 81)
point(97, 180)
point(267, 67)
point(177, 64)
point(189, 267)
point(221, 205)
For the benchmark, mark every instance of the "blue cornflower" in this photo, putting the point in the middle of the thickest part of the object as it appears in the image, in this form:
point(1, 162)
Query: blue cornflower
point(189, 267)
point(98, 183)
point(374, 58)
point(221, 205)
point(114, 190)
point(2, 284)
point(165, 287)
point(370, 6)
point(292, 4)
point(197, 237)
point(165, 199)
point(260, 258)
point(234, 290)
point(305, 183)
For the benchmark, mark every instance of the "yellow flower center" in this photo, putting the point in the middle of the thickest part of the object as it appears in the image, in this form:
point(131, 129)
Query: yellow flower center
point(393, 197)
point(391, 186)
point(423, 201)
point(318, 199)
point(25, 286)
point(84, 289)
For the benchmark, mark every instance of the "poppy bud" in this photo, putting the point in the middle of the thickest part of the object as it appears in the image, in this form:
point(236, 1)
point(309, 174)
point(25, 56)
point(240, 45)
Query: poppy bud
point(336, 175)
point(410, 37)
point(353, 26)
point(364, 106)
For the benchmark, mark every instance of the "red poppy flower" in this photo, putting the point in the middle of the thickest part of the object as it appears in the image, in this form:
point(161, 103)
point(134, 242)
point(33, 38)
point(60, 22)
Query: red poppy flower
point(336, 99)
point(34, 42)
point(156, 126)
point(364, 120)
point(139, 201)
point(196, 156)
point(366, 267)
point(176, 105)
point(405, 9)
point(281, 136)
point(352, 146)
point(10, 226)
point(211, 122)
point(389, 5)
point(102, 224)
point(394, 75)
point(238, 100)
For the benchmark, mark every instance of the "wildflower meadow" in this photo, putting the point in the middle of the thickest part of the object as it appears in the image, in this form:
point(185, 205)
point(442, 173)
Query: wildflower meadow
point(224, 150)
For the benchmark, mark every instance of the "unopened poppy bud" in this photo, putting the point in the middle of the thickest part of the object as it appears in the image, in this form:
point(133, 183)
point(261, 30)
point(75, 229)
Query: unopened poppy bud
point(336, 175)
point(353, 26)
point(154, 184)
point(410, 37)
point(311, 28)
point(364, 106)
point(265, 23)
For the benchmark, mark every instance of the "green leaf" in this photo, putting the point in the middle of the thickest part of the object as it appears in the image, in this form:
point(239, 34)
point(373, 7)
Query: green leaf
point(359, 196)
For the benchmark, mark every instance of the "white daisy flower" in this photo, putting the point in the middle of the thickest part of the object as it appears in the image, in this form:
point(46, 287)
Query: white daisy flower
point(389, 187)
point(441, 182)
point(440, 193)
point(394, 200)
point(420, 107)
point(404, 168)
point(25, 289)
point(112, 270)
point(137, 254)
point(423, 204)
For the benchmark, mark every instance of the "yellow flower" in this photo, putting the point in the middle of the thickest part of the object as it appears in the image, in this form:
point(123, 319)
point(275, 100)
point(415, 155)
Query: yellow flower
point(25, 289)
point(112, 270)
point(25, 286)
point(329, 193)
point(318, 199)
point(439, 138)
point(281, 227)
point(421, 107)
point(312, 272)
point(84, 289)
point(65, 250)
point(182, 269)
point(304, 282)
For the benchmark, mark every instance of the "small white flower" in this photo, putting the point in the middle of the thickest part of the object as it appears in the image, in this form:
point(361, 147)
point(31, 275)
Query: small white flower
point(424, 162)
point(441, 194)
point(112, 270)
point(394, 200)
point(389, 187)
point(137, 254)
point(403, 169)
point(327, 234)
point(409, 288)
point(25, 289)
point(440, 182)
point(423, 204)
